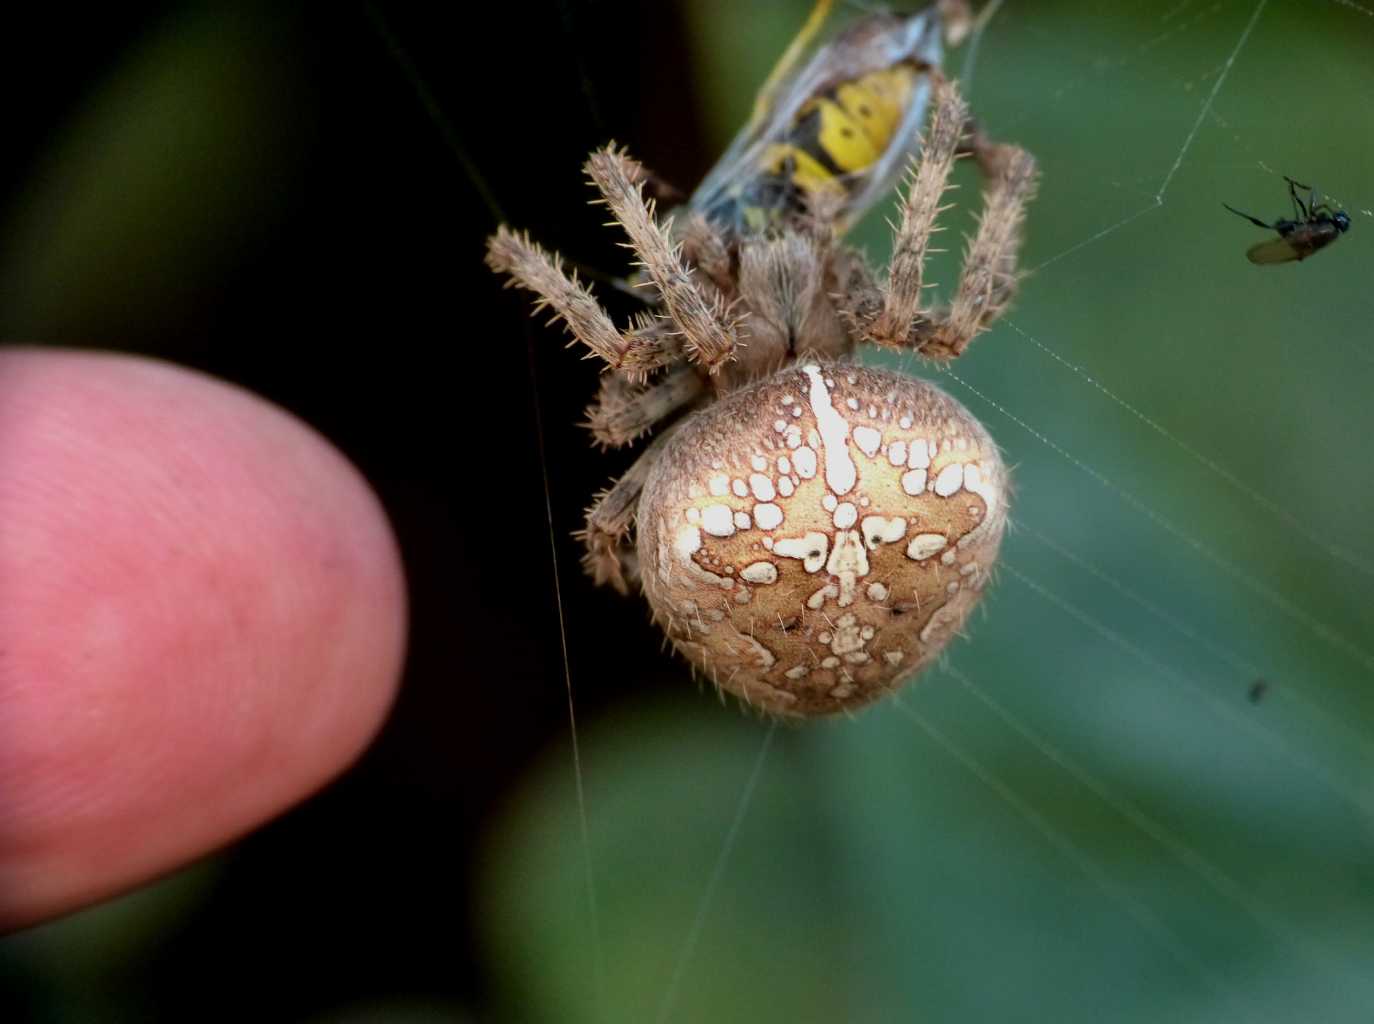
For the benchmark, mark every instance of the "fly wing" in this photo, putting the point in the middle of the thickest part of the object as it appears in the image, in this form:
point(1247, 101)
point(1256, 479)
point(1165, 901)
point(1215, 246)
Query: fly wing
point(1276, 250)
point(875, 43)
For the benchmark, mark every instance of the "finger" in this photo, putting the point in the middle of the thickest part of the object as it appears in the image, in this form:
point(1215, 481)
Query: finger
point(202, 619)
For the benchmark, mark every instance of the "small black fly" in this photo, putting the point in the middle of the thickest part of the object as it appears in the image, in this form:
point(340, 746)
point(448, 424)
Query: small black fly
point(1314, 226)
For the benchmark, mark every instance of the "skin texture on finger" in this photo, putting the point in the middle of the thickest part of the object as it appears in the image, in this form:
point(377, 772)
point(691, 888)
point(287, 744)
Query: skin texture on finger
point(202, 620)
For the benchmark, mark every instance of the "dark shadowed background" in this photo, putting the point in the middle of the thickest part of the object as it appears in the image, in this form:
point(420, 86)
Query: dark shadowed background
point(1090, 812)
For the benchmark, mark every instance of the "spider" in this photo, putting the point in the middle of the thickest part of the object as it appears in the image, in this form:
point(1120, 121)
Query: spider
point(808, 532)
point(1315, 227)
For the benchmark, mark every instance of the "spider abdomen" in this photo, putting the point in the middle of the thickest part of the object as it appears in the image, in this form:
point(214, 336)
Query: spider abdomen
point(816, 537)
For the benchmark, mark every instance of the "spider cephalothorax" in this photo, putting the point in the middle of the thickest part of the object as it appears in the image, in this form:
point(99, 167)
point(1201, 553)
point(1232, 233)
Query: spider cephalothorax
point(807, 531)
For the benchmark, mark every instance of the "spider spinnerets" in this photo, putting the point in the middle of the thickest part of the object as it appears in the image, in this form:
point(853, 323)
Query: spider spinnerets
point(808, 532)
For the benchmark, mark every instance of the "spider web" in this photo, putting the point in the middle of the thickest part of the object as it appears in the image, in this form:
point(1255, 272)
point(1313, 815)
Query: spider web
point(1145, 781)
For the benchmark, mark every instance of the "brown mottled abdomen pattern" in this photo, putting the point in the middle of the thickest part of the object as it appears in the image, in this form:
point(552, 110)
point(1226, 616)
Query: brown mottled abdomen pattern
point(812, 540)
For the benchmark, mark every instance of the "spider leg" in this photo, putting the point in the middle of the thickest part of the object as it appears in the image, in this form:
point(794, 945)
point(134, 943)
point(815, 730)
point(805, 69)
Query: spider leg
point(610, 556)
point(989, 278)
point(624, 411)
point(635, 354)
point(708, 331)
point(928, 182)
point(1253, 220)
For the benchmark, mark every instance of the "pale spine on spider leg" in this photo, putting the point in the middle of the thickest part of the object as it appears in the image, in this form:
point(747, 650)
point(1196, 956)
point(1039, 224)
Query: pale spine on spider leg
point(807, 532)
